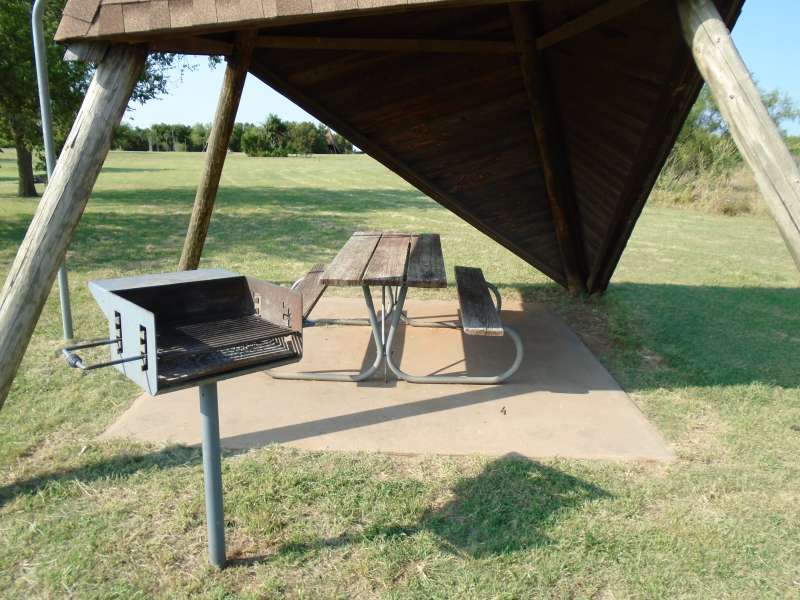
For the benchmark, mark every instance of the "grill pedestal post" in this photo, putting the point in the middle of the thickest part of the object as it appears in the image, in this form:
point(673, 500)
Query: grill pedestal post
point(212, 473)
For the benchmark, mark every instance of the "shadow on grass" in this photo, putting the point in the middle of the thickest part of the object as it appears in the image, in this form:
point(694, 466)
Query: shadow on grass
point(107, 169)
point(671, 336)
point(117, 467)
point(510, 506)
point(125, 227)
point(354, 201)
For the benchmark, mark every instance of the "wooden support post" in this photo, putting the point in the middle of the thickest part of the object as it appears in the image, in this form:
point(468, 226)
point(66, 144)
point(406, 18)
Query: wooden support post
point(550, 146)
point(45, 244)
point(221, 129)
point(751, 127)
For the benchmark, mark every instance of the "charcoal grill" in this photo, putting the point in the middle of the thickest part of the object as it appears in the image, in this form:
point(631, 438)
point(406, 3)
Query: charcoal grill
point(193, 328)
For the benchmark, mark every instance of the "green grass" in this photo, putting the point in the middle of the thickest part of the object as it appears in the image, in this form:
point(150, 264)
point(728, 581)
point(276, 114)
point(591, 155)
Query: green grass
point(701, 325)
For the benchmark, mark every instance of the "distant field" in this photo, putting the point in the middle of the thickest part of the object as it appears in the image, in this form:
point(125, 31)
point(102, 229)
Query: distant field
point(701, 325)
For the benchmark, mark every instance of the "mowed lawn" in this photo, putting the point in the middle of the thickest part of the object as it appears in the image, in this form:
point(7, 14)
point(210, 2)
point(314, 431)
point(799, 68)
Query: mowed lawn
point(701, 325)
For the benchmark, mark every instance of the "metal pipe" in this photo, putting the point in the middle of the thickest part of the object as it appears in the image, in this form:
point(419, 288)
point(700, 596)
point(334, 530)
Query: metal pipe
point(40, 54)
point(76, 362)
point(469, 379)
point(212, 473)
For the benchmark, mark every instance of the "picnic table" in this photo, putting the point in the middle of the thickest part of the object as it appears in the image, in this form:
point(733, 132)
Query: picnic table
point(395, 262)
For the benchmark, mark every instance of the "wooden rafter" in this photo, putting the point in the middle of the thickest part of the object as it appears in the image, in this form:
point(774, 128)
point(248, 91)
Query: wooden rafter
point(386, 44)
point(192, 45)
point(284, 86)
point(201, 45)
point(550, 146)
point(589, 20)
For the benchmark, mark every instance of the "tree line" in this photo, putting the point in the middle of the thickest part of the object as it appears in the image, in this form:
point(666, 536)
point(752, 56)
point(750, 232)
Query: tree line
point(274, 137)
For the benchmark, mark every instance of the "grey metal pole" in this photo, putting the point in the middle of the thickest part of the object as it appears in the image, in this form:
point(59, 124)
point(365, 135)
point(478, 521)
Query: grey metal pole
point(212, 473)
point(40, 55)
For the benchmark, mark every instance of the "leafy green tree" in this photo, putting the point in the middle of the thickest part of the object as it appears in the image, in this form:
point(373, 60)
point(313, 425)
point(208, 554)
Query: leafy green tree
point(254, 141)
point(130, 138)
point(181, 137)
point(304, 138)
point(269, 139)
point(19, 100)
point(343, 144)
point(705, 144)
point(198, 137)
point(277, 134)
point(235, 144)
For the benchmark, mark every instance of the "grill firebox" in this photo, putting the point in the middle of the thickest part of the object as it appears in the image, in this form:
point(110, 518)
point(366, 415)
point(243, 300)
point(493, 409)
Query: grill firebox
point(195, 327)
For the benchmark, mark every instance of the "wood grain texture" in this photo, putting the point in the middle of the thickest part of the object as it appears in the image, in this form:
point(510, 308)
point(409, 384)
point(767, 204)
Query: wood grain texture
point(230, 94)
point(386, 44)
point(389, 259)
point(348, 267)
point(42, 251)
point(312, 288)
point(605, 12)
point(478, 313)
point(426, 262)
point(557, 177)
point(755, 133)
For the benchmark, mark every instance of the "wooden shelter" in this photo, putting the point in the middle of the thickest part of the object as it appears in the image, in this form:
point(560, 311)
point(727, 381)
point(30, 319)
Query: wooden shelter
point(543, 123)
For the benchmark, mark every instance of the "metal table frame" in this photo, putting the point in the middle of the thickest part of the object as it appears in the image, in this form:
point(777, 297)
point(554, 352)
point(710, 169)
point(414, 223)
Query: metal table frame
point(384, 341)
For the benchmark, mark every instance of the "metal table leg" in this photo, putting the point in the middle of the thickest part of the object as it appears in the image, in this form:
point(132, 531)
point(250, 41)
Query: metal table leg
point(212, 473)
point(515, 338)
point(365, 374)
point(383, 330)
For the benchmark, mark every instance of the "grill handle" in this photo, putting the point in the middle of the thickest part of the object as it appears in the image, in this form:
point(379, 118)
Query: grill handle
point(76, 362)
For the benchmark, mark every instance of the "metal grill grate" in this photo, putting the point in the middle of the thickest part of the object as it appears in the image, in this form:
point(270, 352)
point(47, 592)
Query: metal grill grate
point(199, 350)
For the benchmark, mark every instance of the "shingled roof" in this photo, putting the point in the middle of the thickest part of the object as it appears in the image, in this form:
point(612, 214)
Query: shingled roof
point(533, 136)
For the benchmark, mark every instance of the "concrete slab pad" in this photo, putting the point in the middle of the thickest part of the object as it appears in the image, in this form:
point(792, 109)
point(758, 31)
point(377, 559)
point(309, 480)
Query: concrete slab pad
point(562, 402)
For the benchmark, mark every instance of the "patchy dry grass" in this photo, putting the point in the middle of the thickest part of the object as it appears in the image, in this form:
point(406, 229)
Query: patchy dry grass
point(701, 325)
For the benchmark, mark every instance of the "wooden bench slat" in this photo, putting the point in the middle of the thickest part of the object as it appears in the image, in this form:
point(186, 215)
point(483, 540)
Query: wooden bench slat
point(349, 265)
point(478, 313)
point(388, 263)
point(426, 262)
point(312, 288)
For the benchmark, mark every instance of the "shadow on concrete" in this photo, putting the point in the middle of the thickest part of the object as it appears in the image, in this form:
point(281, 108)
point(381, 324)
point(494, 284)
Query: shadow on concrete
point(510, 506)
point(365, 418)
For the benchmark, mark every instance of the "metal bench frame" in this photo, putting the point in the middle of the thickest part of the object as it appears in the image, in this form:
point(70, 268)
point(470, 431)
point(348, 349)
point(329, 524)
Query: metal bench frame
point(397, 314)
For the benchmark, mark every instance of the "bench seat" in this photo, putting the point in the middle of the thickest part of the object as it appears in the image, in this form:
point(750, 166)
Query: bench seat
point(479, 315)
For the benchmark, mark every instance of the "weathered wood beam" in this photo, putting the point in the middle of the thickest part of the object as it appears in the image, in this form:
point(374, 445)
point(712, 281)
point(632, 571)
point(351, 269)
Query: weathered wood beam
point(282, 85)
point(192, 45)
point(221, 129)
point(45, 244)
point(751, 127)
point(593, 18)
point(550, 145)
point(386, 44)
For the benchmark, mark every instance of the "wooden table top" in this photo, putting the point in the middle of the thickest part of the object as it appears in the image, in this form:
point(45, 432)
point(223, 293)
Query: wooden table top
point(385, 258)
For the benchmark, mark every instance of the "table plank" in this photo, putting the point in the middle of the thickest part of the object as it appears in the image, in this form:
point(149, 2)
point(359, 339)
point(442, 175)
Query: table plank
point(426, 262)
point(349, 265)
point(388, 263)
